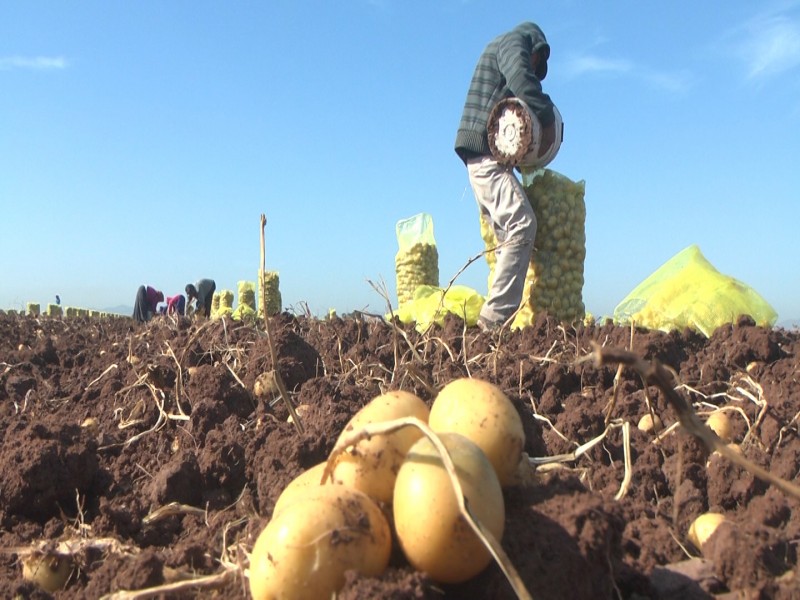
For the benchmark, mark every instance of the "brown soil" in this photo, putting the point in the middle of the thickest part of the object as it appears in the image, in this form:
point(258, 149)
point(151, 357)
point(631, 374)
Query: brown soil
point(162, 434)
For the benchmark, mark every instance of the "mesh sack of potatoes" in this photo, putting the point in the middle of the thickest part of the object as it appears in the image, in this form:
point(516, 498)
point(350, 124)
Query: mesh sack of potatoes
point(554, 281)
point(33, 309)
point(54, 310)
point(214, 304)
point(417, 259)
point(269, 282)
point(225, 304)
point(246, 306)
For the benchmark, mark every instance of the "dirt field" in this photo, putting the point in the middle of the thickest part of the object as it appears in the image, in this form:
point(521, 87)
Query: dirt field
point(104, 423)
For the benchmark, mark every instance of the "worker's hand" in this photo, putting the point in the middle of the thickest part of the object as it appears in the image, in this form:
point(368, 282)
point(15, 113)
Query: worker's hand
point(548, 138)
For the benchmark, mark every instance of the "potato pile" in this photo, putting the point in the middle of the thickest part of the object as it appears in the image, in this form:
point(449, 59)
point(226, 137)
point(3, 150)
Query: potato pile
point(415, 266)
point(554, 282)
point(318, 530)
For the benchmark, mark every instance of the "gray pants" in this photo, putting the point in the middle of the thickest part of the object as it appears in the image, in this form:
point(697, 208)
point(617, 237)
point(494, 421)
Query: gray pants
point(502, 201)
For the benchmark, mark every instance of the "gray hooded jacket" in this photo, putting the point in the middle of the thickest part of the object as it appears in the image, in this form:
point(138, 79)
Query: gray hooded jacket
point(504, 70)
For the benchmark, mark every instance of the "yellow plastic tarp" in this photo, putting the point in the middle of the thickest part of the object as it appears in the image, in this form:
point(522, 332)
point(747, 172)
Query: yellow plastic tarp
point(687, 291)
point(430, 305)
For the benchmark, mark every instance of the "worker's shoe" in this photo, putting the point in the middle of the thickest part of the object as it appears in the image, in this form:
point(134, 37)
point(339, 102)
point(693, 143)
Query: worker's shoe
point(486, 325)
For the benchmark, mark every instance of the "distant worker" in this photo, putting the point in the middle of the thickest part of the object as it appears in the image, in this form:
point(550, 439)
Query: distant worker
point(513, 64)
point(202, 292)
point(58, 300)
point(146, 304)
point(176, 305)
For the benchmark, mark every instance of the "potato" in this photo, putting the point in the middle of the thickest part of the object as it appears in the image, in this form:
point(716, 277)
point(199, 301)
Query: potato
point(266, 386)
point(433, 535)
point(720, 424)
point(481, 411)
point(49, 571)
point(300, 487)
point(304, 552)
point(300, 409)
point(372, 464)
point(647, 423)
point(735, 447)
point(703, 528)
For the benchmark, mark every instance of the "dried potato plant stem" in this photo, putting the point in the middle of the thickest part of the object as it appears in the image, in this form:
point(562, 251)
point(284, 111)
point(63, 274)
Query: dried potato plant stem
point(655, 373)
point(74, 546)
point(205, 582)
point(178, 380)
point(626, 444)
point(171, 509)
point(383, 292)
point(489, 541)
point(617, 376)
point(272, 350)
point(99, 377)
point(578, 452)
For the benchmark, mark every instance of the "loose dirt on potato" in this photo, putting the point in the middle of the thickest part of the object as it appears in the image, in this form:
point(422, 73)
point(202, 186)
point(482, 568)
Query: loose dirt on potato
point(141, 453)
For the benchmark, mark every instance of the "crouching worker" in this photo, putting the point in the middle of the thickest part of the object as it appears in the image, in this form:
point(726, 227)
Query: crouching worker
point(146, 303)
point(202, 293)
point(176, 305)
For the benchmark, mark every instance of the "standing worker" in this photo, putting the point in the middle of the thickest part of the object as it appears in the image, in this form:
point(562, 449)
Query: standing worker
point(146, 303)
point(203, 293)
point(512, 65)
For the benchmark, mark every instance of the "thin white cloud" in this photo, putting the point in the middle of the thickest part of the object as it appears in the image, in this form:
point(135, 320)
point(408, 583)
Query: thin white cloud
point(39, 63)
point(766, 45)
point(771, 45)
point(581, 65)
point(670, 82)
point(594, 65)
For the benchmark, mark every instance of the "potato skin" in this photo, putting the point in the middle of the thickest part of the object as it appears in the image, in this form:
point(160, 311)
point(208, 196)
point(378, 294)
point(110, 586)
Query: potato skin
point(300, 487)
point(720, 424)
point(480, 411)
point(703, 527)
point(305, 550)
point(433, 535)
point(371, 465)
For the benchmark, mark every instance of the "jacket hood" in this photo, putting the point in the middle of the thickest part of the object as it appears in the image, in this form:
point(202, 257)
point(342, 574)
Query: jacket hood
point(538, 44)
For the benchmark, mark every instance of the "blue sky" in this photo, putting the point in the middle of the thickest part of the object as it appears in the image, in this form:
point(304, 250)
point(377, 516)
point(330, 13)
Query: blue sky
point(140, 142)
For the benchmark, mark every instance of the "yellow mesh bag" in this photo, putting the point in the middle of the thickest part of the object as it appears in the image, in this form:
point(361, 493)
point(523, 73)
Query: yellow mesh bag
point(430, 304)
point(246, 308)
point(417, 258)
point(554, 280)
point(687, 291)
point(269, 284)
point(225, 308)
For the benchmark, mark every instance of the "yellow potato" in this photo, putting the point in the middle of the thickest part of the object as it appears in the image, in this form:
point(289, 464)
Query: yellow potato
point(720, 423)
point(49, 571)
point(480, 411)
point(304, 552)
point(434, 536)
point(371, 465)
point(647, 423)
point(265, 386)
point(735, 447)
point(703, 527)
point(300, 488)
